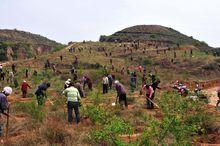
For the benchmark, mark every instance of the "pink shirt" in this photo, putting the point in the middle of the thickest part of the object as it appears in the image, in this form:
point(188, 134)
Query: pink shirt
point(149, 91)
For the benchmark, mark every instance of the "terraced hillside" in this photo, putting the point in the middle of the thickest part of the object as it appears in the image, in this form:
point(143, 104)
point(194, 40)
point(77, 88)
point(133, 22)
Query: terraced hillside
point(154, 35)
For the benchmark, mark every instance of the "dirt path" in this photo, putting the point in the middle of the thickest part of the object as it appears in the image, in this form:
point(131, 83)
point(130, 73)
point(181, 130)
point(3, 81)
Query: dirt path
point(212, 92)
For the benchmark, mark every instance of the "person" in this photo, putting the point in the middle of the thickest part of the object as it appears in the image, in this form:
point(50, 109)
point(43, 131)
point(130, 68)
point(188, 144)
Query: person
point(128, 70)
point(72, 71)
point(26, 73)
point(2, 76)
point(4, 105)
point(197, 89)
point(11, 77)
point(73, 102)
point(35, 73)
point(181, 88)
point(144, 78)
point(110, 81)
point(75, 76)
point(149, 95)
point(122, 71)
point(41, 93)
point(87, 80)
point(145, 70)
point(13, 67)
point(76, 60)
point(121, 94)
point(154, 83)
point(48, 63)
point(79, 86)
point(61, 57)
point(218, 93)
point(140, 68)
point(174, 54)
point(24, 88)
point(54, 68)
point(1, 68)
point(133, 81)
point(67, 83)
point(105, 83)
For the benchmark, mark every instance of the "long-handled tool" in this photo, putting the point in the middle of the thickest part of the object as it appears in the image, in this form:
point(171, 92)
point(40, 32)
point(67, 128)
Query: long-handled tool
point(153, 102)
point(7, 124)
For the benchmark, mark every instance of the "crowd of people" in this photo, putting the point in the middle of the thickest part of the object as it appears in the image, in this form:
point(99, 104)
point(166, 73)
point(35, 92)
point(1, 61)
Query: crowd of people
point(74, 88)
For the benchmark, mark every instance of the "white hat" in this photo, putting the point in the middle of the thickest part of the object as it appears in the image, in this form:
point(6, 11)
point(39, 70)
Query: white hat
point(69, 80)
point(24, 81)
point(67, 83)
point(116, 81)
point(7, 90)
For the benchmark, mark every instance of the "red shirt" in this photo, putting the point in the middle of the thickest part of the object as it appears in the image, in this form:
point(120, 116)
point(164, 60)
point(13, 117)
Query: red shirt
point(25, 86)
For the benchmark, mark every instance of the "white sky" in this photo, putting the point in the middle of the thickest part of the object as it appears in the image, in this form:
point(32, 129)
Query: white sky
point(77, 20)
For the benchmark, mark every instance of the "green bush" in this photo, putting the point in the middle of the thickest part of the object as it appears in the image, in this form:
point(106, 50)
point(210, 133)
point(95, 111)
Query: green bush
point(31, 108)
point(96, 114)
point(111, 132)
point(182, 119)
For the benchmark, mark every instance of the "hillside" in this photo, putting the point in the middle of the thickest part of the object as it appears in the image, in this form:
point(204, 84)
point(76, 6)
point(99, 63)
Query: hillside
point(15, 44)
point(154, 35)
point(103, 124)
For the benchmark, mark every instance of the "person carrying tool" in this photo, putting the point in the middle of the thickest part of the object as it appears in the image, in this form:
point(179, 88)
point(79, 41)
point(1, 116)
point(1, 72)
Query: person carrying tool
point(121, 94)
point(41, 93)
point(149, 95)
point(4, 105)
point(24, 88)
point(73, 102)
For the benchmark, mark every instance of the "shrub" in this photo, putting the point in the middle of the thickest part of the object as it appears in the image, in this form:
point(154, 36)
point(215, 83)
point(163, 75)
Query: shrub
point(96, 114)
point(147, 61)
point(54, 134)
point(182, 119)
point(111, 131)
point(31, 108)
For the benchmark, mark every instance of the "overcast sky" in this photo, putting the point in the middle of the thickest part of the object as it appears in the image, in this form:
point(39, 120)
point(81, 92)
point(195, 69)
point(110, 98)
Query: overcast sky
point(77, 20)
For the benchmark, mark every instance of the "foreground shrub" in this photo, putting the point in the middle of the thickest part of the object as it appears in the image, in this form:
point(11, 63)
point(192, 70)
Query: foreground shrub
point(182, 120)
point(31, 108)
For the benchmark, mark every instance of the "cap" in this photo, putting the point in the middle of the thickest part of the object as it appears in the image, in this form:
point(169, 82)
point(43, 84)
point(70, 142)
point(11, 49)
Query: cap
point(7, 90)
point(116, 81)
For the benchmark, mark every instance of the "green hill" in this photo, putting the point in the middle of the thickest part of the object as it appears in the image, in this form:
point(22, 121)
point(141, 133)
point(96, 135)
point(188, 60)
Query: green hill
point(15, 44)
point(154, 35)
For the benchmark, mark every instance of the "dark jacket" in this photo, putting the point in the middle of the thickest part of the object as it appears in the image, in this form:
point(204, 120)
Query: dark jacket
point(3, 103)
point(41, 89)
